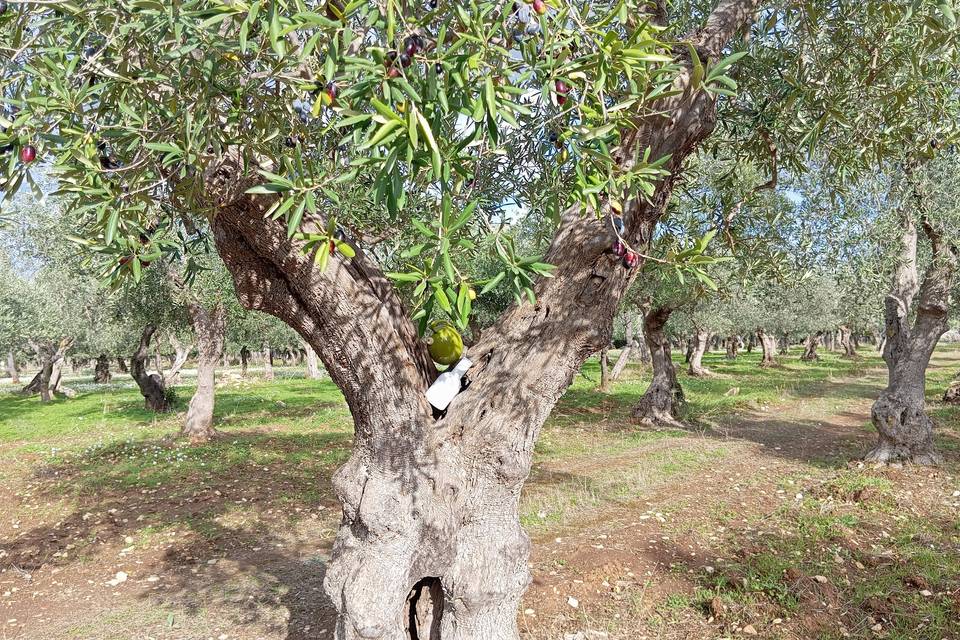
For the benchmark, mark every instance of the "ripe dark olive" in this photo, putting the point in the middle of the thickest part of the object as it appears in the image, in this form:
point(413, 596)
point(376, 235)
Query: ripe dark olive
point(553, 137)
point(144, 263)
point(28, 154)
point(405, 60)
point(290, 142)
point(618, 248)
point(432, 5)
point(562, 87)
point(390, 58)
point(439, 69)
point(144, 238)
point(561, 100)
point(125, 259)
point(630, 259)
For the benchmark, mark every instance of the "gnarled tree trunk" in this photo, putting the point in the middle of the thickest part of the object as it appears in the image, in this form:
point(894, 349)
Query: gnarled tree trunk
point(905, 430)
point(47, 380)
point(180, 354)
point(101, 373)
point(769, 345)
point(661, 403)
point(151, 385)
point(784, 345)
point(733, 347)
point(209, 325)
point(810, 347)
point(122, 365)
point(847, 344)
point(700, 340)
point(430, 537)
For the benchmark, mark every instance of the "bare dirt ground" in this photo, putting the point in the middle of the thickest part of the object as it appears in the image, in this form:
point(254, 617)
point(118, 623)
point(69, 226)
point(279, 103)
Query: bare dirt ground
point(760, 524)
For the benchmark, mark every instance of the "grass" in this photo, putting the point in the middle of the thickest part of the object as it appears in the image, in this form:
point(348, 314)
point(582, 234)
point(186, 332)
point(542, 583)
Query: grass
point(265, 484)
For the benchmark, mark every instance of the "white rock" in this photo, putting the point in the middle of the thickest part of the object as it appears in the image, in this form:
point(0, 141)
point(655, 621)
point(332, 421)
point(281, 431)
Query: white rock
point(573, 602)
point(120, 578)
point(926, 593)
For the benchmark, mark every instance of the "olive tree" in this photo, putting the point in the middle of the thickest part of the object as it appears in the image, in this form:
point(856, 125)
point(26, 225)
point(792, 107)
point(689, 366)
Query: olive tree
point(302, 135)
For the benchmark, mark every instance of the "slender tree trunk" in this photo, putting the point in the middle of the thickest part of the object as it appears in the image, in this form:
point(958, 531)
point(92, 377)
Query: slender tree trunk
point(810, 347)
point(662, 401)
point(244, 360)
point(604, 370)
point(268, 363)
point(151, 385)
point(209, 326)
point(847, 343)
point(905, 430)
point(181, 352)
point(101, 374)
point(430, 543)
point(751, 342)
point(12, 368)
point(630, 348)
point(313, 362)
point(701, 338)
point(769, 345)
point(122, 365)
point(688, 351)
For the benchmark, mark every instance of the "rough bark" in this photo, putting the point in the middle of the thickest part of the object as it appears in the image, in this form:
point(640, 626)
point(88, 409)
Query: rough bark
point(181, 352)
point(101, 373)
point(661, 403)
point(268, 363)
point(209, 326)
point(151, 385)
point(700, 341)
point(244, 360)
point(430, 530)
point(810, 347)
point(768, 342)
point(847, 343)
point(604, 370)
point(905, 430)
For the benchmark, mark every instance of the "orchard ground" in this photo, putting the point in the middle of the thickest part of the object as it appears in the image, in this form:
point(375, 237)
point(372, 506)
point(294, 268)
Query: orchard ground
point(755, 522)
